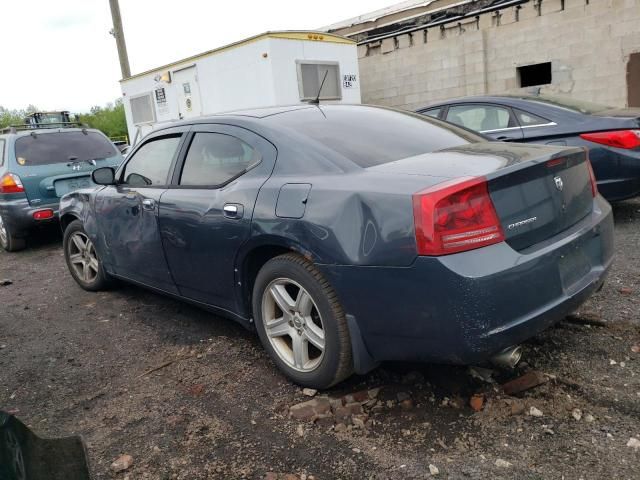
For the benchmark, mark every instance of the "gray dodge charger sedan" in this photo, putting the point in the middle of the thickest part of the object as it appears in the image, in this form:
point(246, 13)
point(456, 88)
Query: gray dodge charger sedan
point(348, 235)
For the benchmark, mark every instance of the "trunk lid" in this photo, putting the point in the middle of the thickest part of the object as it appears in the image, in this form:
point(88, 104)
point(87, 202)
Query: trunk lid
point(538, 191)
point(544, 199)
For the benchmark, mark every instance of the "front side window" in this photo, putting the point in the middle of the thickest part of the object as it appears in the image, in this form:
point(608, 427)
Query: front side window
point(310, 77)
point(150, 164)
point(63, 147)
point(480, 118)
point(214, 159)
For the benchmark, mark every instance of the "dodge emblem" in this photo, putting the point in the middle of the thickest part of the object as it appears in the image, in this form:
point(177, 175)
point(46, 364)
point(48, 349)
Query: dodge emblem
point(559, 183)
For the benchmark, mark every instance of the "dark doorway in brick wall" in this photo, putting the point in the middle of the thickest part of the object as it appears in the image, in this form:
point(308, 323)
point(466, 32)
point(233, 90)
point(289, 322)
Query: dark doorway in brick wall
point(633, 80)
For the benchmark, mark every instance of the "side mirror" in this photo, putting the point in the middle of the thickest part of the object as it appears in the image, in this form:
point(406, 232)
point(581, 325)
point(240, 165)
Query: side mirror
point(104, 176)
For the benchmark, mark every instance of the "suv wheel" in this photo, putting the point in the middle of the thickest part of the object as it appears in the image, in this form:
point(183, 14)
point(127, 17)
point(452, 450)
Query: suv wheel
point(8, 241)
point(82, 258)
point(301, 323)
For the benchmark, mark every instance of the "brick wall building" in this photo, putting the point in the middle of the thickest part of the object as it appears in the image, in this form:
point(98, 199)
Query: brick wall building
point(421, 52)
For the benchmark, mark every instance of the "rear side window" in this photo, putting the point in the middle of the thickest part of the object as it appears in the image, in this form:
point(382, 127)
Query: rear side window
point(370, 136)
point(481, 118)
point(215, 158)
point(527, 119)
point(434, 112)
point(150, 164)
point(62, 147)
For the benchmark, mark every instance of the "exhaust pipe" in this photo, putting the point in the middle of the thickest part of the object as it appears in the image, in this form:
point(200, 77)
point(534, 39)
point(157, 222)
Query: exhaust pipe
point(507, 358)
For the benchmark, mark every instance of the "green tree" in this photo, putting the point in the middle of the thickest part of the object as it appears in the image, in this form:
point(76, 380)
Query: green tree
point(11, 117)
point(109, 119)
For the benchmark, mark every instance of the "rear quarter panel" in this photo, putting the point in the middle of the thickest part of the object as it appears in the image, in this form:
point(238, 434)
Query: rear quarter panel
point(352, 219)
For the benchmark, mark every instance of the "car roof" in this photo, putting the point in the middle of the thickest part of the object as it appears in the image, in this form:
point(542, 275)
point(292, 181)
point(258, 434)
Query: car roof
point(258, 114)
point(505, 99)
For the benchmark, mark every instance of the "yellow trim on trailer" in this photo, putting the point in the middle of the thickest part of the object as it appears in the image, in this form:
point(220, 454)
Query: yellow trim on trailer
point(309, 36)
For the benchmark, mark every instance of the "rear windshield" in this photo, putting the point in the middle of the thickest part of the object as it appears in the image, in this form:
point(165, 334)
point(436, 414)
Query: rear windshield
point(370, 136)
point(62, 147)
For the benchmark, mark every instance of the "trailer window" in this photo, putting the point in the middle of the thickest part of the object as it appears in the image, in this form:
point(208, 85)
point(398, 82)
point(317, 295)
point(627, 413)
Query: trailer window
point(142, 109)
point(310, 75)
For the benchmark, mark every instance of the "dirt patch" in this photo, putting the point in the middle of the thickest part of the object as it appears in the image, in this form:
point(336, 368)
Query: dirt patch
point(192, 396)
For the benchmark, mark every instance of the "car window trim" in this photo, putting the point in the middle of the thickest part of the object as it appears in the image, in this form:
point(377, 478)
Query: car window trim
point(210, 128)
point(180, 132)
point(3, 147)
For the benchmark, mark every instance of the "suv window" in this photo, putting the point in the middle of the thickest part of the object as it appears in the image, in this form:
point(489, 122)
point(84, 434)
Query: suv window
point(150, 164)
point(529, 119)
point(480, 118)
point(215, 158)
point(62, 147)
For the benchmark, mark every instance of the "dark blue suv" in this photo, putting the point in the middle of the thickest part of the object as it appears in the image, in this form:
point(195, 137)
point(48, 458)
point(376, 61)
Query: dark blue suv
point(38, 165)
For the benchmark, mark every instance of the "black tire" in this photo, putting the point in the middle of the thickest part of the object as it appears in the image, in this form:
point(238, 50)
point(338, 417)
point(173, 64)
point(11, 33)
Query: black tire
point(99, 280)
point(9, 241)
point(335, 363)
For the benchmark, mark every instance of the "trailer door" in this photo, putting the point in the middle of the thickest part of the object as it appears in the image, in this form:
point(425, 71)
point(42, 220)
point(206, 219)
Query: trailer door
point(186, 81)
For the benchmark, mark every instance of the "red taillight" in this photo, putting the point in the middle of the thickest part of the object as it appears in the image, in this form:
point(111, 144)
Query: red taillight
point(43, 214)
point(618, 138)
point(10, 183)
point(455, 216)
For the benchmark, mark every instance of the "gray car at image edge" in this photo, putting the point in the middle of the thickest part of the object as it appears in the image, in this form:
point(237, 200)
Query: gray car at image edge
point(348, 235)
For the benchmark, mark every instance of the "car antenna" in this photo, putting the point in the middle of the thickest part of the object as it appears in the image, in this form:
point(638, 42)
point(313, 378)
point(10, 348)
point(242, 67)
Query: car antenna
point(316, 101)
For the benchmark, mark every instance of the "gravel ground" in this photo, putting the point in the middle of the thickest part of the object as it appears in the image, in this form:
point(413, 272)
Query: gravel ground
point(73, 362)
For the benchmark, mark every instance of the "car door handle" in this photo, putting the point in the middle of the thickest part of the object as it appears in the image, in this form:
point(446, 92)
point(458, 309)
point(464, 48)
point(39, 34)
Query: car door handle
point(233, 210)
point(148, 204)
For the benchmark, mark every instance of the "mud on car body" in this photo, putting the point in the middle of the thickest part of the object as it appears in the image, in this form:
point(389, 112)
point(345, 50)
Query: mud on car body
point(349, 235)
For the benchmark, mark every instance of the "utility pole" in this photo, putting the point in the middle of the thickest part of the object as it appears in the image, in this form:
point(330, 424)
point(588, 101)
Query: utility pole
point(118, 33)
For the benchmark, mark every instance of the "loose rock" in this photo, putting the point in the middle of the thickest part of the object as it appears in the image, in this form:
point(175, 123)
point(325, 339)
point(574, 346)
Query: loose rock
point(502, 463)
point(534, 412)
point(406, 404)
point(577, 414)
point(123, 463)
point(525, 382)
point(5, 282)
point(309, 392)
point(476, 402)
point(309, 410)
point(634, 443)
point(433, 470)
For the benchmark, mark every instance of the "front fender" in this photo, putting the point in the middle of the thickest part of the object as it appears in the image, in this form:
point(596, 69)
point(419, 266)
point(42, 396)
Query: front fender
point(78, 205)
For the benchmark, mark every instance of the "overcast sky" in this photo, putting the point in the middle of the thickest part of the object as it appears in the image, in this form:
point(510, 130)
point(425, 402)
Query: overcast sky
point(58, 54)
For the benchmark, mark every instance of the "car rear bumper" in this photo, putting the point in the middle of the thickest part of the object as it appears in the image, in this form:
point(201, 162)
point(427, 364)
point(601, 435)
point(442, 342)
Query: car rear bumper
point(17, 214)
point(463, 308)
point(618, 189)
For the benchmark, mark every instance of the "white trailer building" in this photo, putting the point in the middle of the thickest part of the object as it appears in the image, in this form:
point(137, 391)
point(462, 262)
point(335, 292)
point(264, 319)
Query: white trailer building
point(274, 68)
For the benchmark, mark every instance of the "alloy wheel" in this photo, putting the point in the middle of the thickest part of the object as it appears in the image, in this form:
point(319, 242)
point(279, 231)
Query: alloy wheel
point(83, 257)
point(293, 324)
